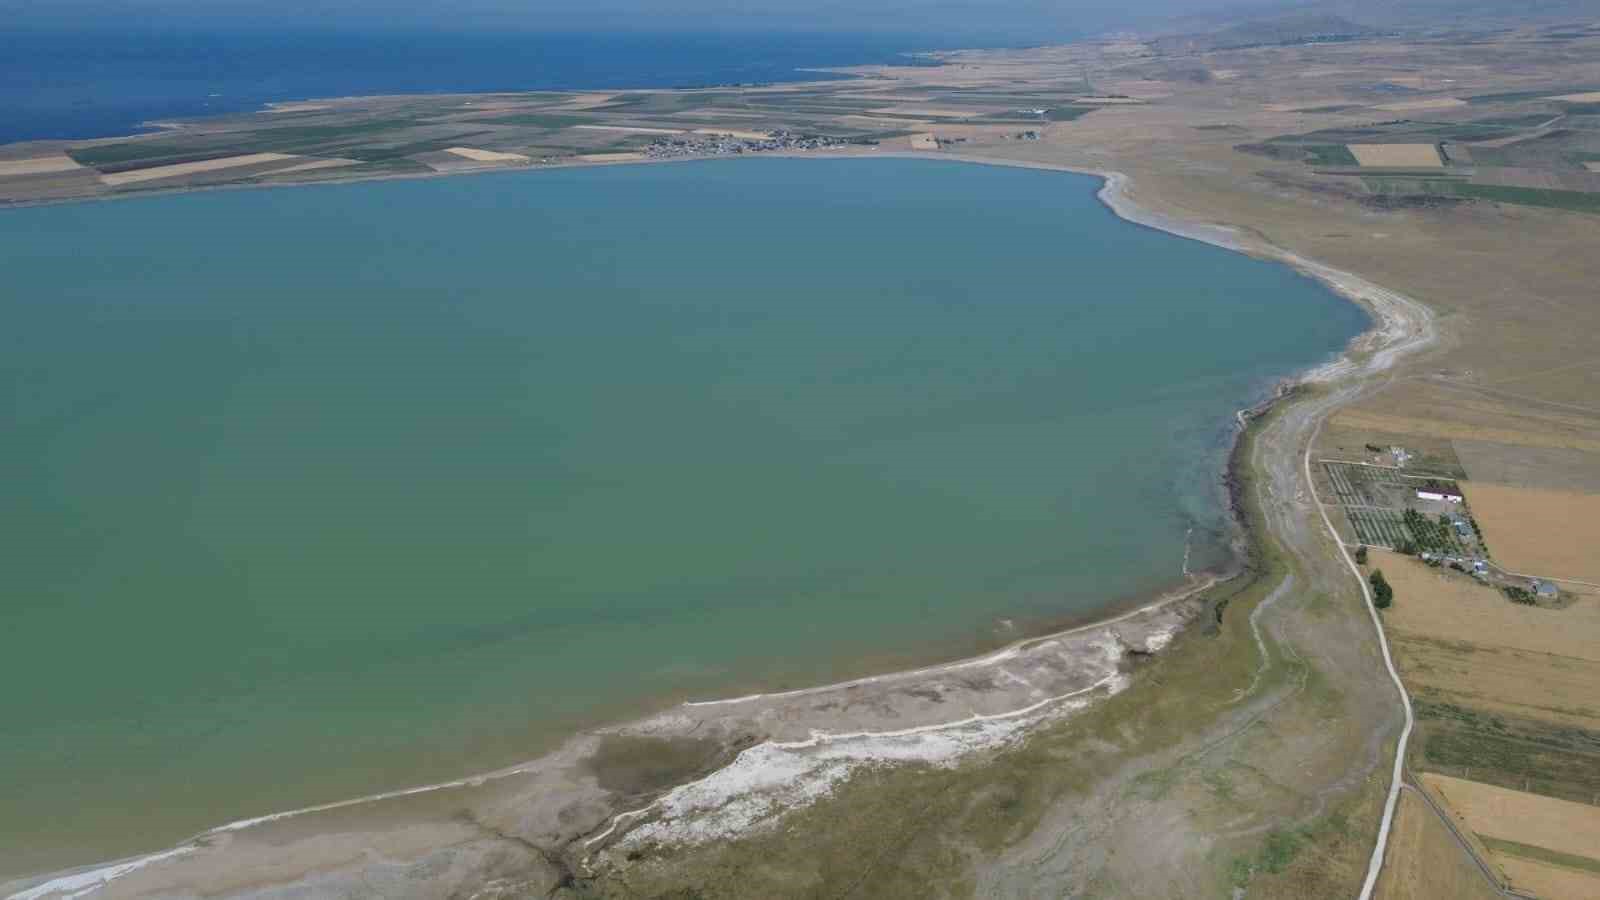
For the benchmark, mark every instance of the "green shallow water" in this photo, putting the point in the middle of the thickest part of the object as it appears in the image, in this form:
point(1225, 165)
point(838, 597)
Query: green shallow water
point(321, 491)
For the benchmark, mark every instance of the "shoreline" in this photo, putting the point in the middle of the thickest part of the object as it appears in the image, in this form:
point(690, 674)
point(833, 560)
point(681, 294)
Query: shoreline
point(1385, 338)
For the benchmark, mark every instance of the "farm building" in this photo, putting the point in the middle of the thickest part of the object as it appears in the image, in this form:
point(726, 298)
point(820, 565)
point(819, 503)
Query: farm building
point(1435, 495)
point(1545, 589)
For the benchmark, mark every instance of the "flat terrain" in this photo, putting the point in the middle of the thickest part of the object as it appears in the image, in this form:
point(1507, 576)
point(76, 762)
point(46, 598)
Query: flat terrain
point(1538, 531)
point(1546, 846)
point(1425, 862)
point(1254, 755)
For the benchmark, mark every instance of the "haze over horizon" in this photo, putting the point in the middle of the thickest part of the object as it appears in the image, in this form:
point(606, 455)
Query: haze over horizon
point(1008, 21)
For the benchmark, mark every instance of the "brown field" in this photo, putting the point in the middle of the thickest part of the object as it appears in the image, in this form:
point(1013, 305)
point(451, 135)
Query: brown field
point(39, 165)
point(1497, 812)
point(1397, 155)
point(1435, 103)
point(1536, 531)
point(181, 169)
point(628, 129)
point(316, 164)
point(1543, 687)
point(477, 155)
point(1459, 430)
point(1424, 863)
point(612, 157)
point(934, 112)
point(1547, 880)
point(1530, 467)
point(744, 135)
point(1450, 606)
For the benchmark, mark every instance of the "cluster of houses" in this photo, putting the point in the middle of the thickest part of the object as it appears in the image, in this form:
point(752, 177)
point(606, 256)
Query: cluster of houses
point(727, 144)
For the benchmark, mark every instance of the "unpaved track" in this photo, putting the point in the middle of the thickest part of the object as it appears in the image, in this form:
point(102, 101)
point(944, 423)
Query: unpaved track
point(1158, 838)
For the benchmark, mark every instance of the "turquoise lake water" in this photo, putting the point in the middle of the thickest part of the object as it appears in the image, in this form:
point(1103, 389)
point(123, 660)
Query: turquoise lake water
point(313, 492)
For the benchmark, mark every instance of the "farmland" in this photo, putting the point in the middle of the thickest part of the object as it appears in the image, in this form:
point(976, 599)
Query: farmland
point(1543, 532)
point(1381, 505)
point(1544, 845)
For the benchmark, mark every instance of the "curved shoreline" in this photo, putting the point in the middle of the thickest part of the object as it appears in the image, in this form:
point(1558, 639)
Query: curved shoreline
point(1395, 331)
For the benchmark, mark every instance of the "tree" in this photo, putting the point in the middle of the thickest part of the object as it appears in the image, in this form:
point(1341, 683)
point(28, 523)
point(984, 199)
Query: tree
point(1382, 594)
point(1361, 555)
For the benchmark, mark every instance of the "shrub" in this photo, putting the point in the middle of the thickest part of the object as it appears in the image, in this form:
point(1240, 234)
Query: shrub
point(1382, 593)
point(1361, 555)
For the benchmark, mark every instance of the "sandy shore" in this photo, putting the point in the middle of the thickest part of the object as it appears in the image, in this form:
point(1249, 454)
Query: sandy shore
point(778, 751)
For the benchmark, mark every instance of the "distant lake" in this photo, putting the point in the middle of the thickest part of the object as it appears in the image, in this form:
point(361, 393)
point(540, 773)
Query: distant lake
point(313, 492)
point(106, 83)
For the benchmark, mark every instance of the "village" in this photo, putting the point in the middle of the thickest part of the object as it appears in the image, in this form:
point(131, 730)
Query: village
point(1422, 515)
point(694, 144)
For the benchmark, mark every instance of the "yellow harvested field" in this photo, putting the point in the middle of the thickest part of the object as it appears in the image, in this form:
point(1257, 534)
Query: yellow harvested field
point(1585, 97)
point(1538, 531)
point(1547, 880)
point(924, 142)
point(193, 168)
point(1497, 812)
point(742, 135)
point(628, 129)
point(1397, 155)
point(1453, 607)
point(1423, 861)
point(477, 155)
point(38, 165)
point(316, 164)
point(1435, 103)
point(588, 101)
point(1443, 428)
point(1504, 681)
point(928, 111)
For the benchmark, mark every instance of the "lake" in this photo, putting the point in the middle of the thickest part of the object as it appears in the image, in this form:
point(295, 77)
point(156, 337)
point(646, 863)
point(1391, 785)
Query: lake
point(313, 492)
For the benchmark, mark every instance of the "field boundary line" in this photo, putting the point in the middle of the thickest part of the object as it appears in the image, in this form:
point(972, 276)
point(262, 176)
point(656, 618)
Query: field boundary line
point(1500, 886)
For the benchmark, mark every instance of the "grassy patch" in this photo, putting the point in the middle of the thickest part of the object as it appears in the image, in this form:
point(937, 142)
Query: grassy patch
point(1529, 851)
point(1510, 96)
point(1330, 155)
point(1575, 201)
point(1067, 113)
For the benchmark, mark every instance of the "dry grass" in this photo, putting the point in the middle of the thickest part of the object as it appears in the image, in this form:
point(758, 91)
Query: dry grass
point(924, 142)
point(193, 168)
point(1397, 155)
point(1548, 880)
point(742, 135)
point(628, 129)
point(1449, 606)
point(1497, 812)
point(1424, 863)
point(1455, 429)
point(1532, 467)
point(1556, 689)
point(1540, 532)
point(1435, 103)
point(316, 164)
point(477, 155)
point(38, 165)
